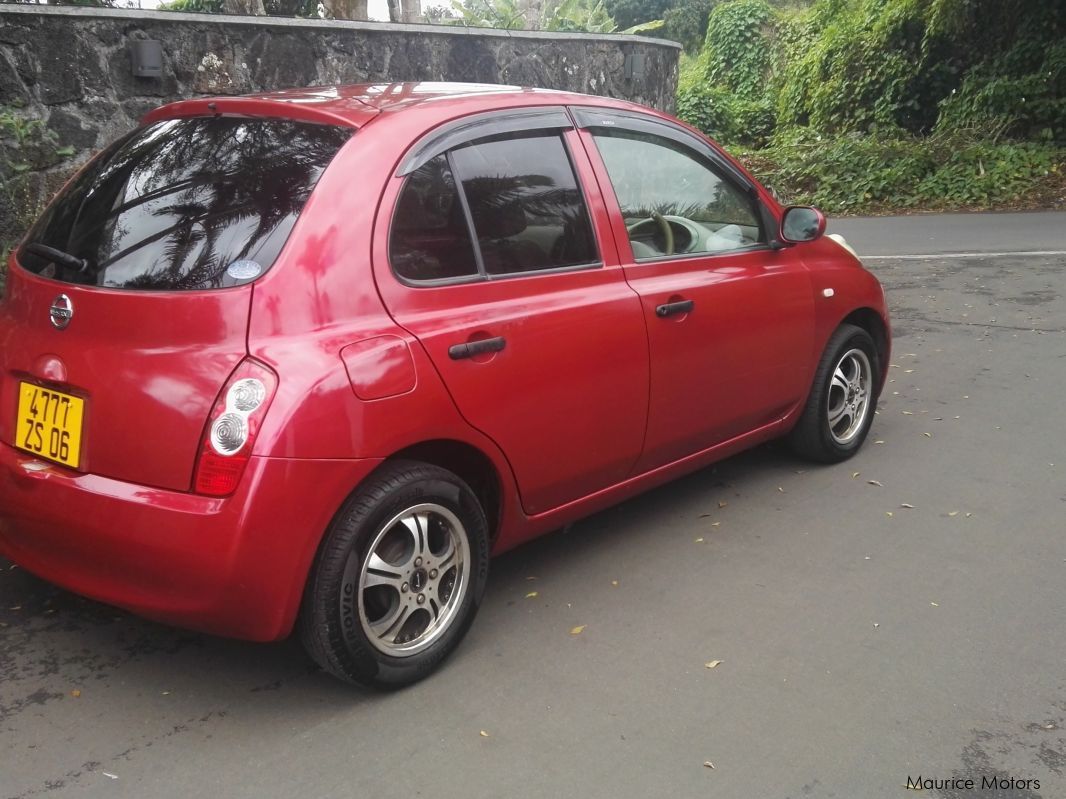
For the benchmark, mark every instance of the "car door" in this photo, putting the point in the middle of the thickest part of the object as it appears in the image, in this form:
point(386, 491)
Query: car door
point(730, 319)
point(497, 253)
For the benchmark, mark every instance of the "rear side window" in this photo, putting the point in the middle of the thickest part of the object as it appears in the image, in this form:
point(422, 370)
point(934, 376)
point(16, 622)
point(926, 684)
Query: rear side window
point(430, 238)
point(521, 197)
point(185, 204)
point(527, 210)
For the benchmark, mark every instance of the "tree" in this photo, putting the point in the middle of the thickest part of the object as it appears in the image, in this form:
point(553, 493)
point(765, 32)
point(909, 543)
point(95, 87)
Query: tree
point(627, 13)
point(686, 22)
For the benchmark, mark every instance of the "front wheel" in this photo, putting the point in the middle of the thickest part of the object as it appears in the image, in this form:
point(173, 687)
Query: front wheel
point(840, 408)
point(398, 578)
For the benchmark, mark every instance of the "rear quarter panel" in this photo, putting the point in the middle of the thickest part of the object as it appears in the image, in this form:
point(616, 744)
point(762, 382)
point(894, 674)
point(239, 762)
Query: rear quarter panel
point(324, 301)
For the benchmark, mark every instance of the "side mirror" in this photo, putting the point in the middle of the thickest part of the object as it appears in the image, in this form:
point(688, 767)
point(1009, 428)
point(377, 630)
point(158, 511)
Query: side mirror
point(801, 223)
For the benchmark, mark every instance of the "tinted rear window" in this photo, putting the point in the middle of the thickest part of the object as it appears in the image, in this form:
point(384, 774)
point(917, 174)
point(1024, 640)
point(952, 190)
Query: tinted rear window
point(186, 204)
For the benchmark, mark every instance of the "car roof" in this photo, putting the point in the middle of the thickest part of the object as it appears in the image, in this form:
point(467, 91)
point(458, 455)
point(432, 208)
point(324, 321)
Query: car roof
point(356, 105)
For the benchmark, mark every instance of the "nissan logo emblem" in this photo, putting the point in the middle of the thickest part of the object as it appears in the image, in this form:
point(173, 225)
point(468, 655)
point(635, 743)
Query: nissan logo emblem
point(61, 312)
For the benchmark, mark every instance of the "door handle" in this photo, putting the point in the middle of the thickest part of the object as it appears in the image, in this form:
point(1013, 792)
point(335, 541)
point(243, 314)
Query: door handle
point(671, 308)
point(459, 351)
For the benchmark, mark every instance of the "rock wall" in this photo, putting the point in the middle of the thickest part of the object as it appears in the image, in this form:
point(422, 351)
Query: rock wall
point(67, 88)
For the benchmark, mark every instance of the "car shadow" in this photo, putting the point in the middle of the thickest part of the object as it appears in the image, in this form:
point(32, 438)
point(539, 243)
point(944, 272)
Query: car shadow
point(53, 642)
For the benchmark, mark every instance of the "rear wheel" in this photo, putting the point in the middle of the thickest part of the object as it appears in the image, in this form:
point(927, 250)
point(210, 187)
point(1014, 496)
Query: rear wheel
point(840, 408)
point(398, 578)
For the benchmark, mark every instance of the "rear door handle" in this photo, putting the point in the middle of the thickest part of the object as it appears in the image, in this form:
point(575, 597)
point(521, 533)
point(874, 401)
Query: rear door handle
point(459, 351)
point(671, 308)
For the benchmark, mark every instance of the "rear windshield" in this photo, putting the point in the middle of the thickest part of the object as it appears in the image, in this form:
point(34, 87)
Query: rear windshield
point(184, 204)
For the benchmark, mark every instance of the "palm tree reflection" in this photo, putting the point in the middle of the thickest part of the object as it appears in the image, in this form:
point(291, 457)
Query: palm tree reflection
point(179, 201)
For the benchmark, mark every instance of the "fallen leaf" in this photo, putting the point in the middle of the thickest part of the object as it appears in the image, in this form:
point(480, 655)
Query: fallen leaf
point(577, 630)
point(704, 515)
point(953, 513)
point(874, 483)
point(716, 524)
point(888, 513)
point(711, 664)
point(75, 693)
point(708, 764)
point(483, 734)
point(906, 505)
point(927, 435)
point(531, 594)
point(722, 503)
point(855, 474)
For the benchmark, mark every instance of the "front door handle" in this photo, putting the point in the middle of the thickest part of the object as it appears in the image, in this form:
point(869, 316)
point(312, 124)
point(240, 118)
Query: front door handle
point(671, 308)
point(459, 351)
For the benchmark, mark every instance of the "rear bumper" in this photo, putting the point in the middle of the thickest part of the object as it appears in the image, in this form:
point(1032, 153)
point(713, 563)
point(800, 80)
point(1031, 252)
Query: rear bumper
point(233, 566)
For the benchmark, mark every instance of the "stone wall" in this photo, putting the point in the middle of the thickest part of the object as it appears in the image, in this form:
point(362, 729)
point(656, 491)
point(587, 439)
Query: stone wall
point(67, 88)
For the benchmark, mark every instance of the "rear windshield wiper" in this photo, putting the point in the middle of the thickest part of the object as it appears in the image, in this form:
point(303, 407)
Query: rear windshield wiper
point(60, 257)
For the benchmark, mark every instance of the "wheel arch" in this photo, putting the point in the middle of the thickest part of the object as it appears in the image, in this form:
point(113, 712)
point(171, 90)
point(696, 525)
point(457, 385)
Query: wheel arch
point(874, 324)
point(469, 463)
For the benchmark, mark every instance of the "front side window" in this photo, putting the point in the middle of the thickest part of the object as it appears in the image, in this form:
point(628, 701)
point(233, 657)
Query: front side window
point(183, 204)
point(673, 201)
point(517, 194)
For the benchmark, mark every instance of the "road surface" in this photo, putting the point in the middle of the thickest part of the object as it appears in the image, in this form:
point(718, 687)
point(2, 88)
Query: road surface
point(897, 617)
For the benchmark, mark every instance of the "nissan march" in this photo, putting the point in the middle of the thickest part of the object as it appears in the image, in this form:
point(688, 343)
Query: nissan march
point(307, 359)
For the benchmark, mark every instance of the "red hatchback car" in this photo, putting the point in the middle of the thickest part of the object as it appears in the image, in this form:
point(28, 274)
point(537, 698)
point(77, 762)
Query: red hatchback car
point(309, 358)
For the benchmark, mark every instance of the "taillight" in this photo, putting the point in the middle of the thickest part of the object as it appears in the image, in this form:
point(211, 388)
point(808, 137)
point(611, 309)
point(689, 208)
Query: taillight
point(232, 427)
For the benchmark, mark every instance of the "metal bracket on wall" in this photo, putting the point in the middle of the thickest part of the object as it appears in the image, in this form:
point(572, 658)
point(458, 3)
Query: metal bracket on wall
point(146, 58)
point(634, 66)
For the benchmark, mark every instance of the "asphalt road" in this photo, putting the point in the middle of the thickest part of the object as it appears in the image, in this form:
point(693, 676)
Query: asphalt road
point(894, 616)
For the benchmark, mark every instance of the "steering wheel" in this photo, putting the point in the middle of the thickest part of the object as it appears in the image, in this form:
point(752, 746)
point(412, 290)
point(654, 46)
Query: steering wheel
point(664, 226)
point(668, 232)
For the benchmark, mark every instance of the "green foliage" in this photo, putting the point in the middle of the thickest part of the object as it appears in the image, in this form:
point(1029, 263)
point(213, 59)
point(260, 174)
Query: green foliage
point(502, 14)
point(627, 13)
point(686, 22)
point(724, 116)
point(724, 91)
point(588, 16)
point(736, 55)
point(277, 8)
point(1022, 100)
point(205, 6)
point(27, 147)
point(880, 104)
point(855, 172)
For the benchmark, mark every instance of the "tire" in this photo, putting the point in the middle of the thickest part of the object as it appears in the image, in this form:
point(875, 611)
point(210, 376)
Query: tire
point(843, 397)
point(398, 578)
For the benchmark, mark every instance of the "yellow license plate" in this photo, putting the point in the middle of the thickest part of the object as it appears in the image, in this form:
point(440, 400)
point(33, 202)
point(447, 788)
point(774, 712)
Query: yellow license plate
point(49, 424)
